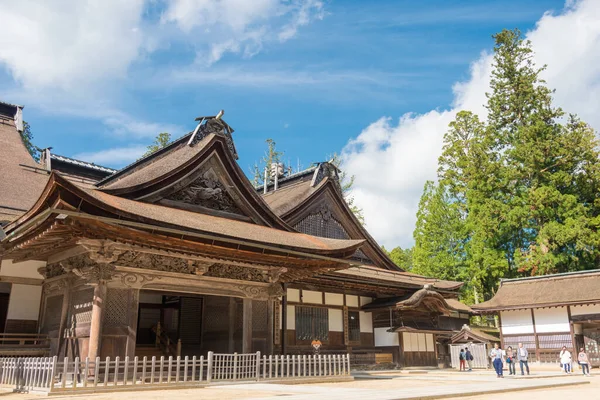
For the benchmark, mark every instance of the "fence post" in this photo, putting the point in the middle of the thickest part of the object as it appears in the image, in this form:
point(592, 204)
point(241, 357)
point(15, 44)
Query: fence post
point(52, 372)
point(209, 367)
point(235, 360)
point(258, 366)
point(348, 358)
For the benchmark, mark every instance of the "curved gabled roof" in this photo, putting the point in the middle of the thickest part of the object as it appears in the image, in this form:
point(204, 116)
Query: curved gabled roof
point(299, 198)
point(168, 170)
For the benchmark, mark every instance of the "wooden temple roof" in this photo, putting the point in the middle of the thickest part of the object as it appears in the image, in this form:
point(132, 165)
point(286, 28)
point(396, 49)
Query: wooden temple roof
point(425, 298)
point(317, 190)
point(22, 178)
point(469, 334)
point(545, 291)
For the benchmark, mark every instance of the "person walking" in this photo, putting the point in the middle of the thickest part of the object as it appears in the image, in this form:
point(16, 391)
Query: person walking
point(469, 358)
point(510, 360)
point(461, 358)
point(496, 356)
point(565, 359)
point(584, 363)
point(523, 356)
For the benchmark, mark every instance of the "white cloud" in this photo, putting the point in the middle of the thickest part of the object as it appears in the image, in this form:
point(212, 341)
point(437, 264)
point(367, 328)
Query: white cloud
point(67, 44)
point(115, 157)
point(239, 26)
point(392, 162)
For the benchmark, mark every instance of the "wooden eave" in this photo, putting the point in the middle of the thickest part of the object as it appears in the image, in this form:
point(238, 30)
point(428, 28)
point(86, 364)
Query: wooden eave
point(40, 233)
point(330, 190)
point(215, 145)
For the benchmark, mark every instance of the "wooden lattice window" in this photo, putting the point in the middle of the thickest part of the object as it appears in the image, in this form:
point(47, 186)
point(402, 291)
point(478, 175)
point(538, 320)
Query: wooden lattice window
point(316, 225)
point(353, 326)
point(312, 323)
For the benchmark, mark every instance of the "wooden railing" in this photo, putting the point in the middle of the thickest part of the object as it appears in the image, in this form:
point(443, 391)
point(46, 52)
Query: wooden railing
point(24, 345)
point(52, 375)
point(165, 343)
point(24, 339)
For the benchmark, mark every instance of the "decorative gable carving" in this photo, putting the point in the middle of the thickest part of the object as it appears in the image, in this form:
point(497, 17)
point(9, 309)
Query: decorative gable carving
point(207, 191)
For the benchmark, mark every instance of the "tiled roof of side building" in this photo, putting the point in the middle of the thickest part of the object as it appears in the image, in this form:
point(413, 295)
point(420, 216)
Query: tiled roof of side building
point(81, 163)
point(545, 291)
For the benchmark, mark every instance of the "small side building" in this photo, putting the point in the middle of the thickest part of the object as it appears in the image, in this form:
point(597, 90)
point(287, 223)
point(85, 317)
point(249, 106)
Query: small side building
point(548, 312)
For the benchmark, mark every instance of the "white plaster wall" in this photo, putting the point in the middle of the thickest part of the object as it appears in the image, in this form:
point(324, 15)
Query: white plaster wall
point(549, 320)
point(293, 295)
point(25, 269)
point(366, 322)
point(308, 296)
point(351, 301)
point(516, 322)
point(24, 302)
point(336, 320)
point(365, 300)
point(384, 338)
point(291, 317)
point(334, 299)
point(587, 309)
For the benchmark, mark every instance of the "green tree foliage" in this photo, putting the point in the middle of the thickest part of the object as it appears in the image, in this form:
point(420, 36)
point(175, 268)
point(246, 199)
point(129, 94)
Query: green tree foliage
point(517, 193)
point(27, 138)
point(162, 140)
point(401, 257)
point(272, 155)
point(346, 184)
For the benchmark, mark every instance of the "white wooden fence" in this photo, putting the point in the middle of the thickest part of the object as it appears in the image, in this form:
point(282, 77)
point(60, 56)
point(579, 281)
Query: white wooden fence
point(53, 375)
point(478, 350)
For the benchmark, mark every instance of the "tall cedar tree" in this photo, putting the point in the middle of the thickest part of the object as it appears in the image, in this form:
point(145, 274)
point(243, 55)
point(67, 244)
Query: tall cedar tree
point(522, 184)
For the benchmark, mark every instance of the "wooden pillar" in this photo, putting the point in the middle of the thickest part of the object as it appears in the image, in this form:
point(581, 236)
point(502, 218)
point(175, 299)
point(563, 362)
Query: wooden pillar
point(231, 330)
point(132, 317)
point(538, 357)
point(64, 314)
point(501, 336)
point(572, 330)
point(284, 320)
point(247, 327)
point(270, 324)
point(96, 323)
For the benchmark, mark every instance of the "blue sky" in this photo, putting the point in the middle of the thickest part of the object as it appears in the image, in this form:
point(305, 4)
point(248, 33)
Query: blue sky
point(356, 62)
point(99, 79)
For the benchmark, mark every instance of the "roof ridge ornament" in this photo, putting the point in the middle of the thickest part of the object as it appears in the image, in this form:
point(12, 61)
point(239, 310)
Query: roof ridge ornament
point(216, 125)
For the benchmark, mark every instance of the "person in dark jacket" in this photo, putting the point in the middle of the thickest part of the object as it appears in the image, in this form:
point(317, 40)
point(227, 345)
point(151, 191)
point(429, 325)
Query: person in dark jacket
point(469, 358)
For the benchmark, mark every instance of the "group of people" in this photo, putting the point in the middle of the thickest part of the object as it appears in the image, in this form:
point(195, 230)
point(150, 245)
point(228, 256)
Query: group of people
point(522, 355)
point(566, 361)
point(511, 357)
point(465, 357)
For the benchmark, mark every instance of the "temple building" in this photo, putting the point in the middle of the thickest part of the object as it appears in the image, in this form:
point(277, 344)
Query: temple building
point(548, 312)
point(179, 254)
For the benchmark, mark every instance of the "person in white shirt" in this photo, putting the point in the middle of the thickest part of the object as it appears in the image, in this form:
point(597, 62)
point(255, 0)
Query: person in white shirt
point(565, 359)
point(496, 356)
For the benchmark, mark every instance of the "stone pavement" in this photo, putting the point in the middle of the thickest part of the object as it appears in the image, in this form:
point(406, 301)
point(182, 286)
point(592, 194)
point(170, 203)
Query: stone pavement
point(394, 385)
point(409, 387)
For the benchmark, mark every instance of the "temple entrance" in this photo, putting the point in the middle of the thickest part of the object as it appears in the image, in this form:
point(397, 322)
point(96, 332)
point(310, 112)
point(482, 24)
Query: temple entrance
point(178, 324)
